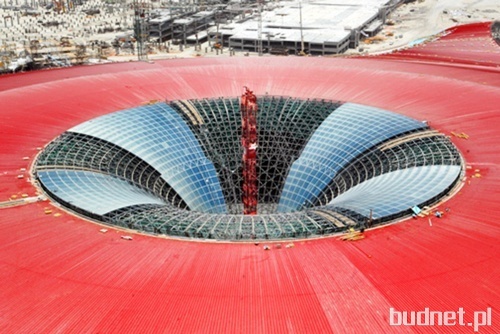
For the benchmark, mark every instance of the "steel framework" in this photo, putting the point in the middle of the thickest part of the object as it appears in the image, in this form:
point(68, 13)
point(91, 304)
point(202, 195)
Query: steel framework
point(141, 9)
point(283, 128)
point(249, 142)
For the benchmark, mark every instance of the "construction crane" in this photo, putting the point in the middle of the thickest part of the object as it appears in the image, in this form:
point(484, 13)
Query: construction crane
point(141, 13)
point(302, 52)
point(249, 141)
point(259, 32)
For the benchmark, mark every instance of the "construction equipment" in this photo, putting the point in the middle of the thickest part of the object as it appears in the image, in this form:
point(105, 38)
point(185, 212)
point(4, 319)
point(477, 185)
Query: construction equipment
point(352, 235)
point(249, 141)
point(65, 42)
point(259, 30)
point(141, 15)
point(302, 52)
point(59, 6)
point(462, 135)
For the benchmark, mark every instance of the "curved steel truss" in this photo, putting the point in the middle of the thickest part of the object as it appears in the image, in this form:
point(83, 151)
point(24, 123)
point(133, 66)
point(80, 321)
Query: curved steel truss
point(323, 167)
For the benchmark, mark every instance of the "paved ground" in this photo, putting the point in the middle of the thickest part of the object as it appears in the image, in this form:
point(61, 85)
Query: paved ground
point(424, 19)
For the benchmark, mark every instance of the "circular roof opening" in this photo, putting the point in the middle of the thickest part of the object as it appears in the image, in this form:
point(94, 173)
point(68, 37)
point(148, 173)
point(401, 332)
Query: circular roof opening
point(175, 168)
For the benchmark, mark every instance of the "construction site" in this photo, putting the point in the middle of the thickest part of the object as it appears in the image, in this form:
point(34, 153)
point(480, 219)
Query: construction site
point(273, 169)
point(162, 196)
point(324, 166)
point(38, 34)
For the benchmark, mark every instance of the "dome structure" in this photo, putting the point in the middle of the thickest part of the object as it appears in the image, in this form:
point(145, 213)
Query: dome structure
point(176, 168)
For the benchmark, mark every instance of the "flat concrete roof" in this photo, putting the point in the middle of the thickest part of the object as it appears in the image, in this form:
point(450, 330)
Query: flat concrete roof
point(322, 21)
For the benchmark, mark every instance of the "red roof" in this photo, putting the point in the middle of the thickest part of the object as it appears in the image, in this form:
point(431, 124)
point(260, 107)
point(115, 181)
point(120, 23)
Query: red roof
point(60, 274)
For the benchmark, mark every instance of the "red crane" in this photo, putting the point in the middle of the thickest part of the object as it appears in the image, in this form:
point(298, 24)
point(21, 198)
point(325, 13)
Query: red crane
point(249, 142)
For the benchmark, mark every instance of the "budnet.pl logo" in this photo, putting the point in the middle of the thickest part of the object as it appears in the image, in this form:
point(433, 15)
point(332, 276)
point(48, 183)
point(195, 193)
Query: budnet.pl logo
point(439, 318)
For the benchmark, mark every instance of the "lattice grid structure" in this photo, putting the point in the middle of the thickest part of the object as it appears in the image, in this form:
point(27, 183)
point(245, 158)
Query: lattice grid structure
point(141, 29)
point(495, 31)
point(249, 142)
point(323, 167)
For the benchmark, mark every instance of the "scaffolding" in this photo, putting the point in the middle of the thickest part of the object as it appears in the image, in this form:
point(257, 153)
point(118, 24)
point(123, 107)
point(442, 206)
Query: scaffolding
point(141, 30)
point(495, 31)
point(249, 142)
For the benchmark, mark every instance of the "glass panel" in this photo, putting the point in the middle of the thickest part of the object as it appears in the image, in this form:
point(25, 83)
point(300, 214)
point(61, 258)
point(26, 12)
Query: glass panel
point(158, 135)
point(397, 191)
point(347, 132)
point(94, 192)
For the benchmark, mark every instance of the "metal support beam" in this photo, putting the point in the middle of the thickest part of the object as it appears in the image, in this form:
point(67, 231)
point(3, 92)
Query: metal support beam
point(249, 141)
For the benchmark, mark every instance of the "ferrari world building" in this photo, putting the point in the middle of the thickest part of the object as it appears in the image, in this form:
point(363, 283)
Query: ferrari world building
point(374, 182)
